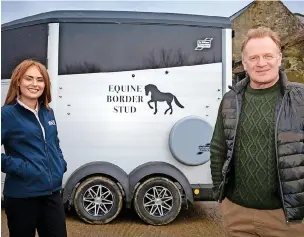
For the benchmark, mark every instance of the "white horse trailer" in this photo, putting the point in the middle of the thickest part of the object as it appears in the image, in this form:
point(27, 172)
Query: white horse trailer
point(135, 97)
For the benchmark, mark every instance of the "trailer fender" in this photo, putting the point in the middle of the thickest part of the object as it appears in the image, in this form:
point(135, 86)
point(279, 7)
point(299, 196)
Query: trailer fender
point(159, 168)
point(95, 168)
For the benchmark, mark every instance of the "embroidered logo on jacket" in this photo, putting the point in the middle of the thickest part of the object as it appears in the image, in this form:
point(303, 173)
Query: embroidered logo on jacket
point(52, 122)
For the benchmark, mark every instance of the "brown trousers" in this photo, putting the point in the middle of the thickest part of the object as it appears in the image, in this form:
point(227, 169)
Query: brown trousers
point(244, 222)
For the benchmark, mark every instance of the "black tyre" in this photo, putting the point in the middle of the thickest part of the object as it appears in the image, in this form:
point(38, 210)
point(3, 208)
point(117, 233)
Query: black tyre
point(157, 201)
point(98, 200)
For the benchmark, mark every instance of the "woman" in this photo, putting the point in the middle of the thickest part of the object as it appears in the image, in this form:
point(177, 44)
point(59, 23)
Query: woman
point(33, 161)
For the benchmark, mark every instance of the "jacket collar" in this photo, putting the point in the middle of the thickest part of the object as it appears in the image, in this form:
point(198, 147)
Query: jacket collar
point(240, 86)
point(28, 108)
point(17, 102)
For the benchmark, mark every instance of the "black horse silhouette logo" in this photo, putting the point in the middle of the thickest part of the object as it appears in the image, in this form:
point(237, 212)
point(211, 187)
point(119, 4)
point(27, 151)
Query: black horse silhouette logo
point(158, 96)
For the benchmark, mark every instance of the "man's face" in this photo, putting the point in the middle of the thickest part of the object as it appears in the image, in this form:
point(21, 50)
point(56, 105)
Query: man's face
point(262, 59)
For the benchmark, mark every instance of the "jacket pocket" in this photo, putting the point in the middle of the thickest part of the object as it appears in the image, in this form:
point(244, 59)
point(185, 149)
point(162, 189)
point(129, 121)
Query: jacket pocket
point(63, 165)
point(31, 171)
point(36, 179)
point(20, 168)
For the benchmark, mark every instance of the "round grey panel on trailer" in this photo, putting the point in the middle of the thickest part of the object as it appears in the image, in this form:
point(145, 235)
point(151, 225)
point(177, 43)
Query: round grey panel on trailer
point(189, 141)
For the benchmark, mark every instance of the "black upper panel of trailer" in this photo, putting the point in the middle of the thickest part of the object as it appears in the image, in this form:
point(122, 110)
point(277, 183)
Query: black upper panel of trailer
point(119, 17)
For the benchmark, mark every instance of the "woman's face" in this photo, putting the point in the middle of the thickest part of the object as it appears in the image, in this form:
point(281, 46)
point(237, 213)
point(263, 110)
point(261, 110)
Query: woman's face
point(32, 84)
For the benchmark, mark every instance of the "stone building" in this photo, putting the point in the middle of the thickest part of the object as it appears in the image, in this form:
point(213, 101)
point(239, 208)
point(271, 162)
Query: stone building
point(300, 16)
point(275, 15)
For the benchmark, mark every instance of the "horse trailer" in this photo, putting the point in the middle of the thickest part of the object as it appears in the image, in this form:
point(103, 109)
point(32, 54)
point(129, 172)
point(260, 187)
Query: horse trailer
point(135, 95)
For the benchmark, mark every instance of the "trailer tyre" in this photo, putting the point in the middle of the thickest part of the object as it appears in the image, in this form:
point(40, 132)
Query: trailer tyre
point(98, 200)
point(157, 201)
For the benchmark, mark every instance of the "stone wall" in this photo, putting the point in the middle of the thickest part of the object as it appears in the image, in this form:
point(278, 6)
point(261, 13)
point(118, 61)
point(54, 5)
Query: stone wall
point(272, 14)
point(300, 16)
point(293, 57)
point(275, 15)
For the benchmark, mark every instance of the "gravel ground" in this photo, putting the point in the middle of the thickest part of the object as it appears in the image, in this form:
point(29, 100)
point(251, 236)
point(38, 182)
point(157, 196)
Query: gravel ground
point(201, 220)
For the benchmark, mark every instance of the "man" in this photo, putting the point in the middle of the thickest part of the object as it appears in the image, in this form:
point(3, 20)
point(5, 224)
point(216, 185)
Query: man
point(257, 149)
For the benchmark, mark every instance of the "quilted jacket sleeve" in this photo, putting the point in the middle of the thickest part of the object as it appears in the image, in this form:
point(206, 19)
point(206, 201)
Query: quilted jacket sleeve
point(218, 151)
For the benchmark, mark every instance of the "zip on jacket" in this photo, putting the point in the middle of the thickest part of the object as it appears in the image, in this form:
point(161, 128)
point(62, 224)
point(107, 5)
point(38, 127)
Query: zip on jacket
point(35, 112)
point(288, 121)
point(33, 163)
point(238, 111)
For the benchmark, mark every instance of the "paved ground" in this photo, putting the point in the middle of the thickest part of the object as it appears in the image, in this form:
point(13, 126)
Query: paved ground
point(202, 220)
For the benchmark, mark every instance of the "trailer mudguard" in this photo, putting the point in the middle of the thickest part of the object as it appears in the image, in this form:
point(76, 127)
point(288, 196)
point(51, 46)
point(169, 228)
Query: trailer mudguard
point(161, 169)
point(95, 168)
